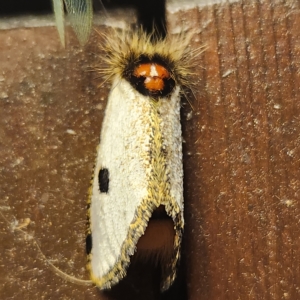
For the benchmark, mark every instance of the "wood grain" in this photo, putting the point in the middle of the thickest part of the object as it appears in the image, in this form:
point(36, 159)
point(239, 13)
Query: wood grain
point(242, 174)
point(241, 157)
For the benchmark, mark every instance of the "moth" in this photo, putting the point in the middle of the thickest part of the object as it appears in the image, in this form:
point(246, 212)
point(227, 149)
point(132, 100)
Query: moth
point(136, 199)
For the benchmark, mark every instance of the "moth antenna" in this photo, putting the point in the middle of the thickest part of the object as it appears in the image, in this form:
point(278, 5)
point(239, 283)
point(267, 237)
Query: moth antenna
point(55, 269)
point(187, 98)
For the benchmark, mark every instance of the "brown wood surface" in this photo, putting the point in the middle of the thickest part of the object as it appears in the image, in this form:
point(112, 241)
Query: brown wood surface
point(241, 157)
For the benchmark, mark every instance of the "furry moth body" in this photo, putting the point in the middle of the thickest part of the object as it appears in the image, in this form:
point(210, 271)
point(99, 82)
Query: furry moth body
point(138, 178)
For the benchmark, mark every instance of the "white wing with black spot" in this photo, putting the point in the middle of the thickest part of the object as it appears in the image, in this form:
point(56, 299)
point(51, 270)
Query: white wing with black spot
point(138, 168)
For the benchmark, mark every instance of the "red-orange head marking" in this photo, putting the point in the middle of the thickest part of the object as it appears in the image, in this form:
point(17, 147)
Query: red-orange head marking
point(154, 76)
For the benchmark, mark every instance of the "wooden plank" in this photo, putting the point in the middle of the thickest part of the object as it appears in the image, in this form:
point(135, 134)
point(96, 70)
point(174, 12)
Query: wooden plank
point(242, 190)
point(241, 156)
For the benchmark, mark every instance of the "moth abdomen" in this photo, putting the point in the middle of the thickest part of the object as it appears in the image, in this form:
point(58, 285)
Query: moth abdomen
point(157, 242)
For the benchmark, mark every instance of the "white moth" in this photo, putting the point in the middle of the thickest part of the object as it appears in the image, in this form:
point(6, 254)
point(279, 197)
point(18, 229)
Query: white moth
point(80, 13)
point(136, 197)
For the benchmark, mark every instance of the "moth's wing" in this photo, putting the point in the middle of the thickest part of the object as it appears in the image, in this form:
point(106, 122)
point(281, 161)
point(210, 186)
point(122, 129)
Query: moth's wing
point(58, 8)
point(80, 14)
point(119, 186)
point(138, 168)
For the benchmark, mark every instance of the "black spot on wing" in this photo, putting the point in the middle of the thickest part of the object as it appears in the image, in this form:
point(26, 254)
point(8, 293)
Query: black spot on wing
point(103, 179)
point(88, 244)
